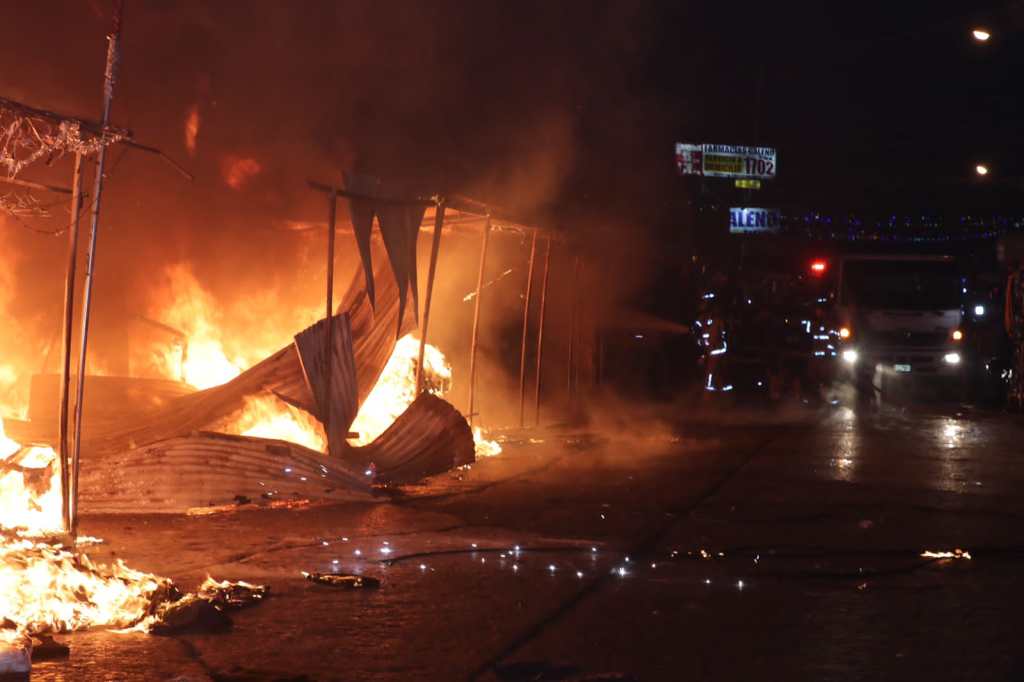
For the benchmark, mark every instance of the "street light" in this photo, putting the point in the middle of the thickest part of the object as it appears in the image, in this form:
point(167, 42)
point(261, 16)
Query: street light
point(981, 35)
point(981, 169)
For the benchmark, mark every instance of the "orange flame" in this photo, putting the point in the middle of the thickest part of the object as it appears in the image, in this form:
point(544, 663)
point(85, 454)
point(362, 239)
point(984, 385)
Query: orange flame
point(239, 171)
point(192, 129)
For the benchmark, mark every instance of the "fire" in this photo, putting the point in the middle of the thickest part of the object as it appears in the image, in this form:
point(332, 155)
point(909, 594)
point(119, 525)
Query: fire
point(484, 446)
point(192, 129)
point(238, 171)
point(202, 363)
point(29, 488)
point(267, 416)
point(396, 388)
point(45, 587)
point(205, 362)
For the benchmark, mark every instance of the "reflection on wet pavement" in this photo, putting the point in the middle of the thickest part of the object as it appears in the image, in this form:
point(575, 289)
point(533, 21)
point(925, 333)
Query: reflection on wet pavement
point(825, 548)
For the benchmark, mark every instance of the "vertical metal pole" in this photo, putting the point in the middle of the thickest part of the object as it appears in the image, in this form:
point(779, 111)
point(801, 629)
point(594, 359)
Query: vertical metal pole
point(540, 331)
point(435, 247)
point(69, 314)
point(476, 316)
point(526, 321)
point(332, 209)
point(573, 294)
point(113, 55)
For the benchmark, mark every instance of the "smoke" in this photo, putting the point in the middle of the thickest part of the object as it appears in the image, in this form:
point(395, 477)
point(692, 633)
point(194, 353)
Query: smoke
point(503, 102)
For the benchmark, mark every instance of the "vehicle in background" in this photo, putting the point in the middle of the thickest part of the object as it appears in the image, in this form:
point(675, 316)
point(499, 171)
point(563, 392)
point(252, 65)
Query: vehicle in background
point(764, 327)
point(900, 317)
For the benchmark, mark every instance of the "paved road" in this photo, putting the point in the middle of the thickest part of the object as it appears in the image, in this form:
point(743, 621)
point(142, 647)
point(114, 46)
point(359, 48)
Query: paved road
point(773, 545)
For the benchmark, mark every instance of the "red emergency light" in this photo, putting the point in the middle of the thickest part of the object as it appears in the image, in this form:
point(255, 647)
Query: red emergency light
point(818, 267)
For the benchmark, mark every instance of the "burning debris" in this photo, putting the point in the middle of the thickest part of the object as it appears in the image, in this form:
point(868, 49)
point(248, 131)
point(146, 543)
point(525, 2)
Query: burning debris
point(48, 587)
point(272, 433)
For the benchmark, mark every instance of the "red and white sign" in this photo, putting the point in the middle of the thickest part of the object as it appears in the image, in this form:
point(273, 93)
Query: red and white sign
point(726, 161)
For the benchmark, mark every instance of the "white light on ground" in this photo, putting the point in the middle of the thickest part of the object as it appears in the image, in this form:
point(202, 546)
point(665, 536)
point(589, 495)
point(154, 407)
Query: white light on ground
point(981, 35)
point(952, 358)
point(850, 356)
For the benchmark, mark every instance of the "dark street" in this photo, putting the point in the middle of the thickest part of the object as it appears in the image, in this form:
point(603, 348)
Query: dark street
point(666, 550)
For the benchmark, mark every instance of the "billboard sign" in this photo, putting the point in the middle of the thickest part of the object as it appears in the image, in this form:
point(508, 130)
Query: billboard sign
point(754, 220)
point(726, 161)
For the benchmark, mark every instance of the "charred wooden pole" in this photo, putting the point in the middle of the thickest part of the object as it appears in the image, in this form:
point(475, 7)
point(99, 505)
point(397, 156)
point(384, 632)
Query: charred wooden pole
point(332, 212)
point(540, 332)
point(476, 317)
point(69, 314)
point(435, 246)
point(526, 323)
point(109, 78)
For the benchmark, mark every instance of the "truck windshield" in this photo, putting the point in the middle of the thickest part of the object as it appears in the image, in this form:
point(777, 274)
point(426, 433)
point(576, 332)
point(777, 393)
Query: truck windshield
point(901, 284)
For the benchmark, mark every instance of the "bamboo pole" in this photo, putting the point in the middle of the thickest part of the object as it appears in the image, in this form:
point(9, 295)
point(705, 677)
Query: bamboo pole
point(435, 246)
point(526, 321)
point(332, 210)
point(109, 77)
point(476, 317)
point(69, 313)
point(540, 331)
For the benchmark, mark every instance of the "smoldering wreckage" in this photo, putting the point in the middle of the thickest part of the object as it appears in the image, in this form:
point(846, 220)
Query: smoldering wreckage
point(348, 410)
point(162, 446)
point(165, 447)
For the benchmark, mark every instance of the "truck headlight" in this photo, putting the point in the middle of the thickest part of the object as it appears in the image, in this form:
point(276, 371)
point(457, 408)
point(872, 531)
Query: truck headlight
point(850, 356)
point(952, 358)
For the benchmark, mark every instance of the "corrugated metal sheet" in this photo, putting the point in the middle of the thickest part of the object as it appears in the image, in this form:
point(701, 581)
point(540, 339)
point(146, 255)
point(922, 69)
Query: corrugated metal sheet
point(428, 438)
point(161, 462)
point(213, 469)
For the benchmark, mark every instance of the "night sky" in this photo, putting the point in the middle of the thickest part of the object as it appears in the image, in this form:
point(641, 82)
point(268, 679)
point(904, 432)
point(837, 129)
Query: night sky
point(564, 111)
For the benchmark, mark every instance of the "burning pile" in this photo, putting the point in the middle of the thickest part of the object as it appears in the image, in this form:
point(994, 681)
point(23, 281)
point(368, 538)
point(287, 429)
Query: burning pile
point(204, 361)
point(47, 587)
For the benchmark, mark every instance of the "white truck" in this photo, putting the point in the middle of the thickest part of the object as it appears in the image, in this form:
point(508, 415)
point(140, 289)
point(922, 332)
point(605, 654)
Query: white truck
point(900, 317)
